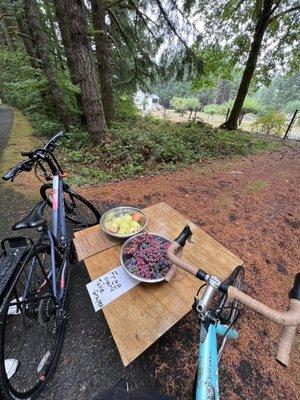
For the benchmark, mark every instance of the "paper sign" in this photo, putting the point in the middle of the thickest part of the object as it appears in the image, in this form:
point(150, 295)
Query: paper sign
point(110, 286)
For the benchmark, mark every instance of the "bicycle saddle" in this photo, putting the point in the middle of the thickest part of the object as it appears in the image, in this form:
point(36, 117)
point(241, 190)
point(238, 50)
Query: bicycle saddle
point(33, 219)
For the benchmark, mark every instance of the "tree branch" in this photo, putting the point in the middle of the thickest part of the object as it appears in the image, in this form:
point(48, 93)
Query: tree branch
point(171, 26)
point(238, 6)
point(113, 3)
point(287, 11)
point(5, 15)
point(144, 21)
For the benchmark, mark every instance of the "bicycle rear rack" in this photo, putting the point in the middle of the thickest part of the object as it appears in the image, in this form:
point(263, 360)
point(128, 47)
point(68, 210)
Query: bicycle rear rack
point(12, 251)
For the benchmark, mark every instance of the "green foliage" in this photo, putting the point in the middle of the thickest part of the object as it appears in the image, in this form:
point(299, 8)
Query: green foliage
point(282, 91)
point(270, 123)
point(250, 106)
point(213, 109)
point(125, 108)
point(228, 29)
point(218, 64)
point(25, 88)
point(146, 144)
point(192, 103)
point(179, 104)
point(184, 104)
point(292, 106)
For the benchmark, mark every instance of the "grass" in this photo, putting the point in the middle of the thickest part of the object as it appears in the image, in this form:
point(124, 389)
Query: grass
point(143, 145)
point(21, 139)
point(257, 186)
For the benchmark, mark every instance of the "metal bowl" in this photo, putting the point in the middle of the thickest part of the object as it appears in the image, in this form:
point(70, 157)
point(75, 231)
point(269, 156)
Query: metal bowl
point(119, 211)
point(138, 278)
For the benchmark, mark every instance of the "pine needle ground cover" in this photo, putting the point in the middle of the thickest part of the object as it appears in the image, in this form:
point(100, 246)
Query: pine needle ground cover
point(147, 145)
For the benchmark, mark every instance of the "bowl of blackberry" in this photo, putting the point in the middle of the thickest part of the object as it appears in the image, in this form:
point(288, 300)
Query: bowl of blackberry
point(144, 257)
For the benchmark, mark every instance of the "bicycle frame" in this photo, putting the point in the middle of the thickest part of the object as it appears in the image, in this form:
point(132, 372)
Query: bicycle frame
point(207, 387)
point(57, 235)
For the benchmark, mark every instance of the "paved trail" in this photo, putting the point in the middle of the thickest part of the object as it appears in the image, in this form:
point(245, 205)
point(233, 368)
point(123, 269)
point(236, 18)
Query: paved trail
point(6, 121)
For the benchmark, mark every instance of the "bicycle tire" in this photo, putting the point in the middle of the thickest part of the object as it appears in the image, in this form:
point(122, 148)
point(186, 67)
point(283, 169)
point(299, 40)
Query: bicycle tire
point(225, 310)
point(73, 201)
point(10, 389)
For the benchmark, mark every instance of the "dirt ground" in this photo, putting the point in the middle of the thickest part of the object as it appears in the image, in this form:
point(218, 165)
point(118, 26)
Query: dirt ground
point(251, 206)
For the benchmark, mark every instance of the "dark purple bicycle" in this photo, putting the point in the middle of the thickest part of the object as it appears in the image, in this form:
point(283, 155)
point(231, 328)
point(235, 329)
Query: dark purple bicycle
point(34, 278)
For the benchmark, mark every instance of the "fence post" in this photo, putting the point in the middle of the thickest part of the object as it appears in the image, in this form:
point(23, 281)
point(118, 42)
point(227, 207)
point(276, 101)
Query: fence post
point(227, 114)
point(290, 124)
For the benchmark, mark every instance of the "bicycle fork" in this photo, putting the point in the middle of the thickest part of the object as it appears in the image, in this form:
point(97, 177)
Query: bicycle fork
point(207, 387)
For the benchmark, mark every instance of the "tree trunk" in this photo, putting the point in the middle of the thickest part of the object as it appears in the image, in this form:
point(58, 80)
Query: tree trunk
point(261, 26)
point(24, 33)
point(70, 54)
point(5, 33)
point(27, 41)
point(57, 50)
point(32, 15)
point(91, 96)
point(103, 59)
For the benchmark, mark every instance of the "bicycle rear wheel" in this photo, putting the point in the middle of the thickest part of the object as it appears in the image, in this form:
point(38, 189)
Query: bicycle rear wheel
point(31, 327)
point(78, 210)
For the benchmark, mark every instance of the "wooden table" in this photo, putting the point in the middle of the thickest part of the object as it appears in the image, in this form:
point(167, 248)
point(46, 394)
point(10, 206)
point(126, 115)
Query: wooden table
point(143, 314)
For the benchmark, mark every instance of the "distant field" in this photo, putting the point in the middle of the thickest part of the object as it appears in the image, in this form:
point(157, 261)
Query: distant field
point(217, 120)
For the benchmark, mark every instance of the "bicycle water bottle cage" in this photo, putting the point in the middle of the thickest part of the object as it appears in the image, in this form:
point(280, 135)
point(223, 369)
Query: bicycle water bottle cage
point(34, 219)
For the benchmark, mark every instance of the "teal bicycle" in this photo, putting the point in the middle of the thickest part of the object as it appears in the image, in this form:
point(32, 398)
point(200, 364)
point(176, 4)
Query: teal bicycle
point(217, 312)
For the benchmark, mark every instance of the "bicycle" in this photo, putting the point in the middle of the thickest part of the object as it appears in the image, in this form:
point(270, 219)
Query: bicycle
point(217, 320)
point(34, 278)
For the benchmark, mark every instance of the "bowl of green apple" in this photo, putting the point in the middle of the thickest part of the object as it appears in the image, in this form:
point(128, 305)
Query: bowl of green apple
point(123, 222)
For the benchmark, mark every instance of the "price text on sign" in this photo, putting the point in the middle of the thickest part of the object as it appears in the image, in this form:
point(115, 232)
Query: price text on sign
point(108, 287)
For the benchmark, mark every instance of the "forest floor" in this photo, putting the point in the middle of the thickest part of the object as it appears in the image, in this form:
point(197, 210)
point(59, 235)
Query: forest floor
point(250, 205)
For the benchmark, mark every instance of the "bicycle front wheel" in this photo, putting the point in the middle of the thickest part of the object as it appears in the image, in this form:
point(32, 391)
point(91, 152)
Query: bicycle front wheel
point(31, 327)
point(224, 309)
point(78, 210)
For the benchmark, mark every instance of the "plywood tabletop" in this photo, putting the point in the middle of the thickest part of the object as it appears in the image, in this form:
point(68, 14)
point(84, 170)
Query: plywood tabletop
point(142, 315)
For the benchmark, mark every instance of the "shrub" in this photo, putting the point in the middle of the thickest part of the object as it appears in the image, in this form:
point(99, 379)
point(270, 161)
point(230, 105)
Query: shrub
point(250, 106)
point(292, 106)
point(270, 123)
point(179, 104)
point(125, 108)
point(149, 144)
point(213, 109)
point(184, 104)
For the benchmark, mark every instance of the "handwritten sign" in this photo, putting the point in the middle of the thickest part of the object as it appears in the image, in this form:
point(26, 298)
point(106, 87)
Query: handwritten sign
point(108, 287)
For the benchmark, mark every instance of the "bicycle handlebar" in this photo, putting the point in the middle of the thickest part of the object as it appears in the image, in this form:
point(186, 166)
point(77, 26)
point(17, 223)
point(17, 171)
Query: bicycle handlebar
point(289, 319)
point(22, 166)
point(53, 141)
point(33, 157)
